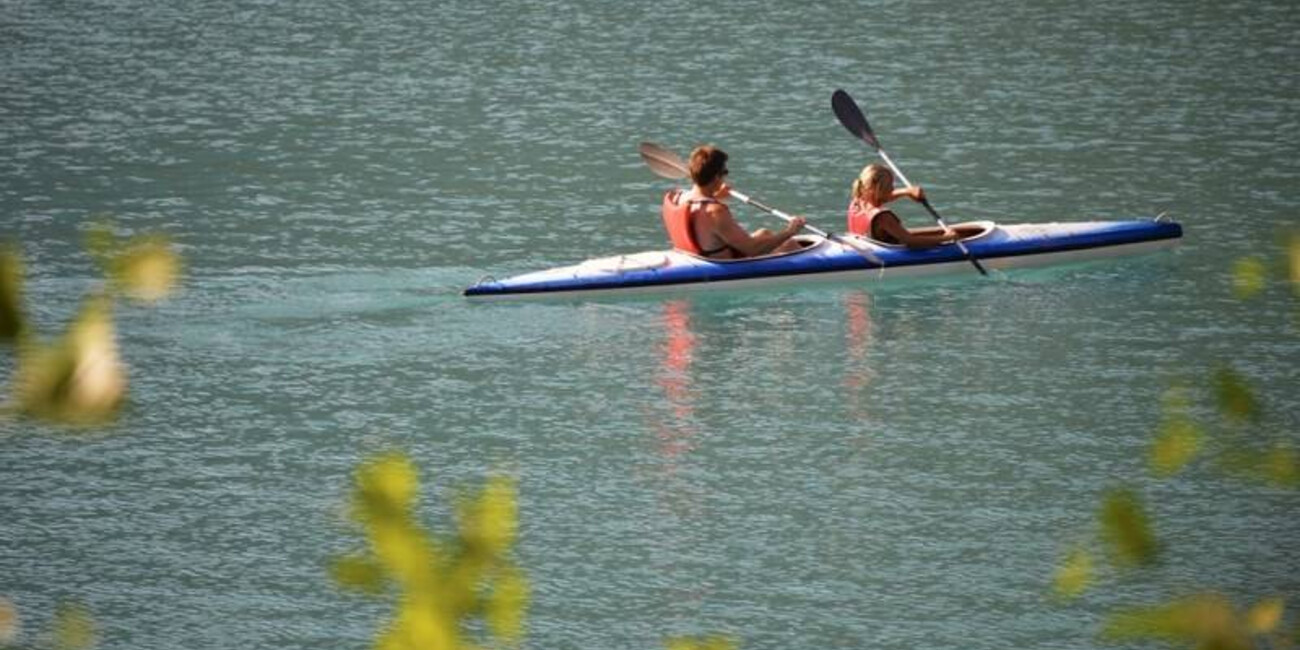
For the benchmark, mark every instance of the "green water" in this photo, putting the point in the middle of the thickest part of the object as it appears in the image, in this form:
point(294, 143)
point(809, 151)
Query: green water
point(845, 467)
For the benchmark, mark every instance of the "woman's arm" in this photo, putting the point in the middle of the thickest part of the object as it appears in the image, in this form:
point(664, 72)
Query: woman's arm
point(890, 225)
point(915, 193)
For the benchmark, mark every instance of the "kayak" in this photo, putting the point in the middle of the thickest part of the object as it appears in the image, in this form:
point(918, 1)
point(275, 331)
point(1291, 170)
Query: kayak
point(841, 259)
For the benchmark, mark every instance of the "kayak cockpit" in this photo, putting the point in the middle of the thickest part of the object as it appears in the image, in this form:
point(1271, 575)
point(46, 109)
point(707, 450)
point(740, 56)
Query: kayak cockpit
point(807, 243)
point(969, 231)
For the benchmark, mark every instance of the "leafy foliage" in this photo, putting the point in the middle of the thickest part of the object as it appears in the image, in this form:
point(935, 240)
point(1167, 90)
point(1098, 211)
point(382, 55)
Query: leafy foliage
point(441, 584)
point(1242, 446)
point(1179, 438)
point(1126, 529)
point(1206, 620)
point(1074, 574)
point(12, 324)
point(80, 378)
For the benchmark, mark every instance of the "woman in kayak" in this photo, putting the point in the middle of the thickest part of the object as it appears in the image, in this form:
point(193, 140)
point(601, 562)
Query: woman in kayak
point(699, 222)
point(869, 217)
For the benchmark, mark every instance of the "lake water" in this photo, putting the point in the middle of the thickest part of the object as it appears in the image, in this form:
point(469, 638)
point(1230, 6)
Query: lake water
point(830, 467)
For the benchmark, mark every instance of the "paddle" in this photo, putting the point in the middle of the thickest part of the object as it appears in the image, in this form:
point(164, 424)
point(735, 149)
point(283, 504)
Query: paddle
point(852, 118)
point(665, 163)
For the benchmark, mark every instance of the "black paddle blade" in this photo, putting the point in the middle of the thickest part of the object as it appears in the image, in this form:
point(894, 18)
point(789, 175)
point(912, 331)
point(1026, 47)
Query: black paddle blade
point(663, 162)
point(852, 118)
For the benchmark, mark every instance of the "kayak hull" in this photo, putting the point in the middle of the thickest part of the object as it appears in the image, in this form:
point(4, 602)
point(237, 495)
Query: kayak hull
point(840, 260)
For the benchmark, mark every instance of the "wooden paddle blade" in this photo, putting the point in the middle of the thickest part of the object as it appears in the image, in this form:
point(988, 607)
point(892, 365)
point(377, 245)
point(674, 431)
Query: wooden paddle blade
point(662, 161)
point(848, 113)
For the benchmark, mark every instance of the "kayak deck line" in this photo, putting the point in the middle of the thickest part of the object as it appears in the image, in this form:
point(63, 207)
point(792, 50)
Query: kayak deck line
point(827, 260)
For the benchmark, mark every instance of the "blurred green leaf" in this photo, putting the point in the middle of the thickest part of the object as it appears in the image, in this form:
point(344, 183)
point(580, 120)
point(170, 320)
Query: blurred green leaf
point(74, 628)
point(79, 379)
point(386, 487)
point(1278, 465)
point(701, 643)
point(1178, 439)
point(147, 269)
point(442, 585)
point(1126, 529)
point(1074, 575)
point(9, 624)
point(12, 323)
point(101, 242)
point(1282, 465)
point(1293, 256)
point(358, 573)
point(1249, 277)
point(489, 521)
point(1206, 621)
point(1235, 398)
point(1176, 444)
point(1264, 616)
point(507, 604)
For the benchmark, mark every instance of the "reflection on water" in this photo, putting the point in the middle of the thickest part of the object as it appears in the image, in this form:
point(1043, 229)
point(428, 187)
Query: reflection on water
point(858, 374)
point(677, 350)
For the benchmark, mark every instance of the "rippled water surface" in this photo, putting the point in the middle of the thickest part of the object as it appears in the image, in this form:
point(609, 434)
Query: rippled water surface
point(843, 467)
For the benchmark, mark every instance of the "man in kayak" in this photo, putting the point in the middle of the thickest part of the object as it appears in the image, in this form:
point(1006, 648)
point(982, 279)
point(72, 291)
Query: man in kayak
point(869, 217)
point(699, 222)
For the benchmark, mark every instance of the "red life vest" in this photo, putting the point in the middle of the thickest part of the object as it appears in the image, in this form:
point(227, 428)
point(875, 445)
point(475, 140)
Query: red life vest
point(679, 221)
point(861, 218)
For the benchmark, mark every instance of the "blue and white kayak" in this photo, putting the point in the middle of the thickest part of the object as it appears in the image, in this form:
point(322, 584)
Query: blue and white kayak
point(842, 259)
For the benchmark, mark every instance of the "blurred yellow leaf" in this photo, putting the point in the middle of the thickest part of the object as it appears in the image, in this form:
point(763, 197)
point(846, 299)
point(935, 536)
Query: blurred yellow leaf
point(422, 623)
point(148, 269)
point(358, 573)
point(1249, 275)
point(9, 626)
point(1278, 465)
point(1177, 442)
point(1293, 253)
point(1281, 466)
point(701, 643)
point(507, 604)
point(101, 242)
point(489, 523)
point(1264, 617)
point(1234, 396)
point(1205, 620)
point(386, 486)
point(405, 551)
point(12, 323)
point(1124, 526)
point(1074, 574)
point(441, 584)
point(74, 628)
point(78, 380)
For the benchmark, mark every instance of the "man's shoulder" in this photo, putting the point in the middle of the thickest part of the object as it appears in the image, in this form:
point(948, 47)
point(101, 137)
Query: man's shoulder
point(715, 209)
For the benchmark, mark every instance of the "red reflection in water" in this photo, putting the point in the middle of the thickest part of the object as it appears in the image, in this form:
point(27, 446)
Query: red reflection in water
point(677, 351)
point(857, 369)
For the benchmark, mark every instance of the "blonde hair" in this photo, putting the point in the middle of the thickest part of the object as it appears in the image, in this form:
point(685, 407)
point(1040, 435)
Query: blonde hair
point(873, 179)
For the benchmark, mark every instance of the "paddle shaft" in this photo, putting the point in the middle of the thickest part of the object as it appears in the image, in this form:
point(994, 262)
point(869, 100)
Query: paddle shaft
point(665, 163)
point(925, 202)
point(934, 213)
point(776, 213)
point(856, 122)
